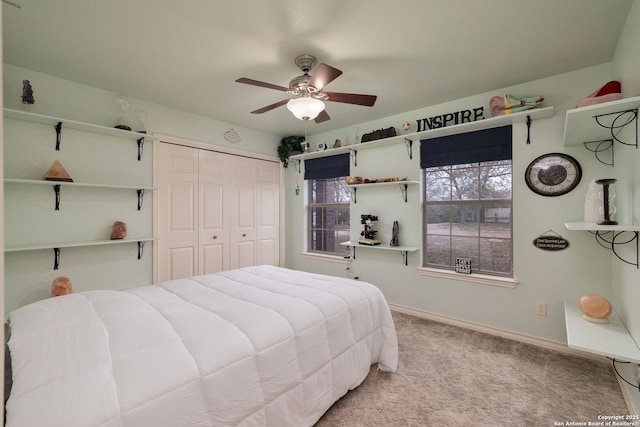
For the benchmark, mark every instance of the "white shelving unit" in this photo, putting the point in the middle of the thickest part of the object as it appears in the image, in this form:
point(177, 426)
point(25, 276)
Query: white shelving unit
point(606, 339)
point(598, 126)
point(61, 124)
point(610, 236)
point(533, 114)
point(403, 185)
point(404, 249)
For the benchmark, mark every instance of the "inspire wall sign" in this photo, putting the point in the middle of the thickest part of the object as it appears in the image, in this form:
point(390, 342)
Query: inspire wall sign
point(448, 119)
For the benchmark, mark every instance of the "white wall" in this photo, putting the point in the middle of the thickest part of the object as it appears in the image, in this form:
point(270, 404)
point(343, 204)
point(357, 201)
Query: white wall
point(543, 276)
point(548, 277)
point(626, 278)
point(28, 151)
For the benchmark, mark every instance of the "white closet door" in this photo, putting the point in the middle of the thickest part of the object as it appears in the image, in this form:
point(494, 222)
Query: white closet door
point(213, 235)
point(268, 212)
point(178, 212)
point(241, 182)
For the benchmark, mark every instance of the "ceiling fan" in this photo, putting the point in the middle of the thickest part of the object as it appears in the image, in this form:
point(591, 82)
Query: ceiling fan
point(308, 90)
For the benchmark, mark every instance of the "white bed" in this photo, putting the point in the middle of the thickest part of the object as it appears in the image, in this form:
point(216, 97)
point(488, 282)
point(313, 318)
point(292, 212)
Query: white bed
point(258, 346)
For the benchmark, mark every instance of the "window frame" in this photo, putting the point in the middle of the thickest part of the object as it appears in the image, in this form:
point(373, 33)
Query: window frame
point(500, 278)
point(309, 230)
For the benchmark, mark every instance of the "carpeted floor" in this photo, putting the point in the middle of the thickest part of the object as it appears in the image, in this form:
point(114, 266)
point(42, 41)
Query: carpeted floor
point(451, 376)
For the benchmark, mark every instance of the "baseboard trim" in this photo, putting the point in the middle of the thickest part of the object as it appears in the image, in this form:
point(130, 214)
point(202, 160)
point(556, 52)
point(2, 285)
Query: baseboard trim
point(541, 342)
point(529, 339)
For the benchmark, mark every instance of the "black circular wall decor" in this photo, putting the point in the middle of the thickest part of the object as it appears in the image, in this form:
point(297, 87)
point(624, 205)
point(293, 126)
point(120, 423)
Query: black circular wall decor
point(553, 174)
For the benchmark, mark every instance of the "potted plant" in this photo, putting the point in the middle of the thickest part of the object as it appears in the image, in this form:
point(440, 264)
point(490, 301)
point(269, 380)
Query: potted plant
point(289, 145)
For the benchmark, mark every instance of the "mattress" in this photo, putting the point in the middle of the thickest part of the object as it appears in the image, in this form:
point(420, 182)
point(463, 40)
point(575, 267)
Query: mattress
point(258, 346)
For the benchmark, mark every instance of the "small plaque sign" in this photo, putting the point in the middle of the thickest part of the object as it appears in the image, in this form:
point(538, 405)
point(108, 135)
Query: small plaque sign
point(551, 243)
point(463, 265)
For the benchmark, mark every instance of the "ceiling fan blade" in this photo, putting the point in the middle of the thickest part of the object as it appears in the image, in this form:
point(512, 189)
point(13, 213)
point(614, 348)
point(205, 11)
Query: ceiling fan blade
point(261, 84)
point(323, 75)
point(351, 98)
point(270, 107)
point(322, 117)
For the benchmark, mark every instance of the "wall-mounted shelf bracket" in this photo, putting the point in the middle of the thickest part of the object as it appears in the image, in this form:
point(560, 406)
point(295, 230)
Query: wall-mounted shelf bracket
point(529, 121)
point(354, 190)
point(58, 128)
point(601, 146)
point(409, 144)
point(140, 142)
point(602, 237)
point(354, 157)
point(614, 122)
point(297, 164)
point(140, 249)
point(56, 258)
point(140, 197)
point(56, 189)
point(405, 257)
point(403, 190)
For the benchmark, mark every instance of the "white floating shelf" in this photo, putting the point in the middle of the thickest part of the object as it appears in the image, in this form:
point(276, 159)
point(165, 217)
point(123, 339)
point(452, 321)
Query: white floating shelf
point(492, 122)
point(72, 124)
point(74, 244)
point(382, 246)
point(592, 226)
point(378, 184)
point(606, 339)
point(76, 184)
point(581, 126)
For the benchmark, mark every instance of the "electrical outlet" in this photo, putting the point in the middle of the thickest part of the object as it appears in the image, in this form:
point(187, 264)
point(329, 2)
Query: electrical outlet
point(541, 308)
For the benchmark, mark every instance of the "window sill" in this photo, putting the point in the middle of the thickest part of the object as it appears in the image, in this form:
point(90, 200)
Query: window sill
point(323, 257)
point(504, 282)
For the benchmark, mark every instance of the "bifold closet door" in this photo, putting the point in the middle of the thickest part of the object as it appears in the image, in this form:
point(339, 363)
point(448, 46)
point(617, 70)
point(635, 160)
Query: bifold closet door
point(241, 186)
point(178, 212)
point(214, 212)
point(217, 212)
point(268, 212)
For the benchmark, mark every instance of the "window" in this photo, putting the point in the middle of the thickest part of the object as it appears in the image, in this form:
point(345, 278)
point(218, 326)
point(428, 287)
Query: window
point(328, 204)
point(468, 203)
point(328, 220)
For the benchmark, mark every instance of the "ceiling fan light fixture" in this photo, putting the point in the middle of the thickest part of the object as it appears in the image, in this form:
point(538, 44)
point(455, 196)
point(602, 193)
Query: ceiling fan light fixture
point(305, 108)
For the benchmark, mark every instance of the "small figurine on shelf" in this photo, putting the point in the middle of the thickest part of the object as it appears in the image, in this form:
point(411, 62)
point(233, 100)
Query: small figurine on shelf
point(27, 94)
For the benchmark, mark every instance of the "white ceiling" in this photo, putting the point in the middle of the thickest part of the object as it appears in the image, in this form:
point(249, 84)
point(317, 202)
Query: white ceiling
point(410, 53)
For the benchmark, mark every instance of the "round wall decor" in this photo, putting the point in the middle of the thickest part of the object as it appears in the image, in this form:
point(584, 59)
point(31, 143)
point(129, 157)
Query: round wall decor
point(553, 174)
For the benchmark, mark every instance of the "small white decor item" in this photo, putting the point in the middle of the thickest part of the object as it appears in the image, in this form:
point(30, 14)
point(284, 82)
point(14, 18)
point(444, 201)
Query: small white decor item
point(595, 308)
point(592, 203)
point(321, 146)
point(232, 136)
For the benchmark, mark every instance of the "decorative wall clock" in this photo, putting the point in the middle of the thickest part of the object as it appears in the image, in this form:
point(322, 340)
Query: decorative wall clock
point(553, 174)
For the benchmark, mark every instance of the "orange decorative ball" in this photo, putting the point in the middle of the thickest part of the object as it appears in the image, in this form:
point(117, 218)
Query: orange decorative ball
point(595, 308)
point(61, 286)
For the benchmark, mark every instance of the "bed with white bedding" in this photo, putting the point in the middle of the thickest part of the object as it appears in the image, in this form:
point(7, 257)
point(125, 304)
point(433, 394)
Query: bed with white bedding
point(258, 346)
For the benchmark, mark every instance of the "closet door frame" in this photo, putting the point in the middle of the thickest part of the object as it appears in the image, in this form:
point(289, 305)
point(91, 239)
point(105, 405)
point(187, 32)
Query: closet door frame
point(220, 149)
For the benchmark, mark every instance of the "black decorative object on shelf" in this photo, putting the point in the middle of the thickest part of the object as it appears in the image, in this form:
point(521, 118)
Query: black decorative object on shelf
point(608, 195)
point(27, 93)
point(394, 234)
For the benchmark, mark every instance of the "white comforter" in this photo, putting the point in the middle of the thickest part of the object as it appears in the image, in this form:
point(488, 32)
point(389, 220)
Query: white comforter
point(259, 346)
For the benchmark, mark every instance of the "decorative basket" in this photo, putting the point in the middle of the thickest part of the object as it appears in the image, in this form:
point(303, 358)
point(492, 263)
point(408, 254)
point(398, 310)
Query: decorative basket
point(351, 180)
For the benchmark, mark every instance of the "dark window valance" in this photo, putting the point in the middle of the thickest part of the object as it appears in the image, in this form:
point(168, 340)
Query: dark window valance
point(472, 147)
point(327, 167)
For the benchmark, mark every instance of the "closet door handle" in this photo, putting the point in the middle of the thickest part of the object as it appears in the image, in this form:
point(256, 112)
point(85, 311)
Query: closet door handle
point(215, 237)
point(244, 234)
